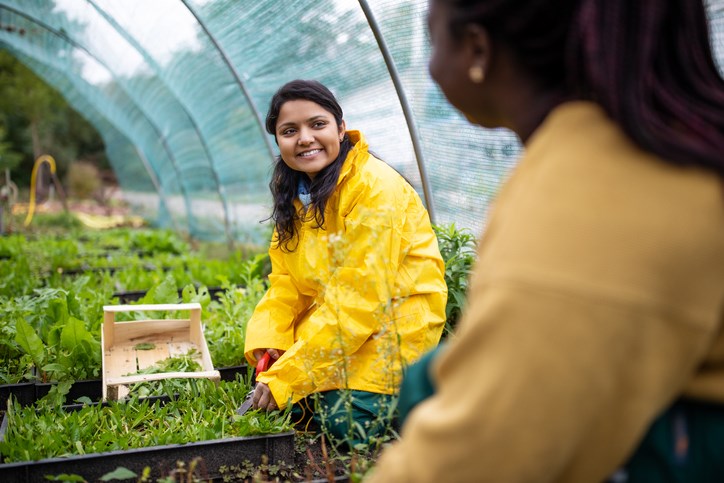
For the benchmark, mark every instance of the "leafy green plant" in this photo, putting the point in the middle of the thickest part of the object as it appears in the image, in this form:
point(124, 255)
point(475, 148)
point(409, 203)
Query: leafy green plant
point(63, 220)
point(157, 241)
point(11, 246)
point(207, 412)
point(48, 254)
point(47, 327)
point(457, 247)
point(182, 363)
point(137, 277)
point(66, 477)
point(39, 290)
point(18, 277)
point(122, 473)
point(225, 322)
point(15, 369)
point(247, 471)
point(121, 259)
point(15, 365)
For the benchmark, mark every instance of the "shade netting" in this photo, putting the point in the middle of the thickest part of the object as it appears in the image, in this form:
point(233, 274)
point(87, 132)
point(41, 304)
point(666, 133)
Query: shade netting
point(178, 90)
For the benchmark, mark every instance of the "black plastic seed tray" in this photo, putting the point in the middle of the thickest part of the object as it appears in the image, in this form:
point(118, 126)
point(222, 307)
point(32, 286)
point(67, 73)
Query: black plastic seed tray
point(161, 460)
point(90, 388)
point(93, 388)
point(230, 373)
point(134, 295)
point(24, 392)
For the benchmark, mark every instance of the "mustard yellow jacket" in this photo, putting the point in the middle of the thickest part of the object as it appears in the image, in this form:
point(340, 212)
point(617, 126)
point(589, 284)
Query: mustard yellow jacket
point(597, 299)
point(359, 299)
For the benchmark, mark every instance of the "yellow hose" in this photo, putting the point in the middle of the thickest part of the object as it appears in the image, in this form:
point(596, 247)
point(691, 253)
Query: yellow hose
point(51, 162)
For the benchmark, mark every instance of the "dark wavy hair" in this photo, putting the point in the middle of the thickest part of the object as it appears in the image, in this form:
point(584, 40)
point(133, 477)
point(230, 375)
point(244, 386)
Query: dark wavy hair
point(648, 63)
point(285, 181)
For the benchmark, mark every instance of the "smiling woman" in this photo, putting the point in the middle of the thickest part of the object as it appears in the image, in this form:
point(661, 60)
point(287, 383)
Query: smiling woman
point(357, 284)
point(308, 136)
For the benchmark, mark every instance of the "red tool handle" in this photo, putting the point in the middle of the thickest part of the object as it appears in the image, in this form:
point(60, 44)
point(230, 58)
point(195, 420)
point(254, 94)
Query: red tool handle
point(263, 363)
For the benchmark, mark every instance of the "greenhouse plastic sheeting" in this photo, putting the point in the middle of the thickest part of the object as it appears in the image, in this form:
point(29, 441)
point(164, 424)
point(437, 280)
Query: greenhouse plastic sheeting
point(178, 90)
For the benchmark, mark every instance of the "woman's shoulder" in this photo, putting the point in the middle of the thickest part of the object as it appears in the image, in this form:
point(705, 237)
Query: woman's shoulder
point(376, 186)
point(363, 160)
point(375, 174)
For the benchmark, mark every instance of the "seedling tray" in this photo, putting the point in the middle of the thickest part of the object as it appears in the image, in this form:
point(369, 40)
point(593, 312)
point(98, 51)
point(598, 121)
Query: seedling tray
point(160, 339)
point(93, 388)
point(230, 373)
point(90, 388)
point(134, 295)
point(24, 392)
point(161, 460)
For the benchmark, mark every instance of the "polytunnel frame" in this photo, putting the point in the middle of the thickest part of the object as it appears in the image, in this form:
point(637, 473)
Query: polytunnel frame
point(406, 109)
point(156, 183)
point(144, 161)
point(394, 75)
point(382, 45)
point(237, 77)
point(154, 65)
point(161, 137)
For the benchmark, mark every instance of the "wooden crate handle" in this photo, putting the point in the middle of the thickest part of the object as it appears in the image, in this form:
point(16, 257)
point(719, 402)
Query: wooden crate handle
point(125, 380)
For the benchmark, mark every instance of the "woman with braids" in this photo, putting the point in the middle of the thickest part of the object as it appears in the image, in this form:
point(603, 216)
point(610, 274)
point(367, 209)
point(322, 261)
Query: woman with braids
point(592, 343)
point(357, 287)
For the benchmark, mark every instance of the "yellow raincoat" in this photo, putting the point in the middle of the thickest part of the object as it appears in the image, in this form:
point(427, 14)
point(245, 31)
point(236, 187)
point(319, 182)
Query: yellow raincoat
point(359, 299)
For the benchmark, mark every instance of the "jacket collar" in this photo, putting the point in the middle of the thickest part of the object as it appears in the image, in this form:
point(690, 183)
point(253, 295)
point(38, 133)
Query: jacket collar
point(358, 153)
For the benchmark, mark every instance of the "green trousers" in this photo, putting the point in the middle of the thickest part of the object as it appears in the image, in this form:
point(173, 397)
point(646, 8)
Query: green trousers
point(683, 445)
point(351, 418)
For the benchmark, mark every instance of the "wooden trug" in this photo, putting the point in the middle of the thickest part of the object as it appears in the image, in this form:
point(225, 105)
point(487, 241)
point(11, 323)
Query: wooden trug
point(171, 337)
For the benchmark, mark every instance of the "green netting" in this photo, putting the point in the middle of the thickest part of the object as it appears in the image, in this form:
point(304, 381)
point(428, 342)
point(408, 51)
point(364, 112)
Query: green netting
point(179, 88)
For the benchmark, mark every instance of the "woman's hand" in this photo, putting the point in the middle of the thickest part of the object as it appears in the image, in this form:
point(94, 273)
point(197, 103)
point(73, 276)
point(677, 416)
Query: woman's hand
point(262, 398)
point(273, 353)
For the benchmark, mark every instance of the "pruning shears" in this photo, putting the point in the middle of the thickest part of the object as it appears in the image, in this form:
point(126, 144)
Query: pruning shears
point(262, 365)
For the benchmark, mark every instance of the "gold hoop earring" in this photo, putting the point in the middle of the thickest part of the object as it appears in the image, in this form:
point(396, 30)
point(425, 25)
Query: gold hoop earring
point(476, 74)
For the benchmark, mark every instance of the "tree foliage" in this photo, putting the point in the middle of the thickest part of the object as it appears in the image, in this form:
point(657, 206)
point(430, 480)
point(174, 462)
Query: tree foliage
point(35, 119)
point(9, 158)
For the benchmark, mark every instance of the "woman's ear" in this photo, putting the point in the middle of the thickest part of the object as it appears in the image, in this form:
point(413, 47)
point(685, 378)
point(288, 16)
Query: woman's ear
point(478, 48)
point(342, 128)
